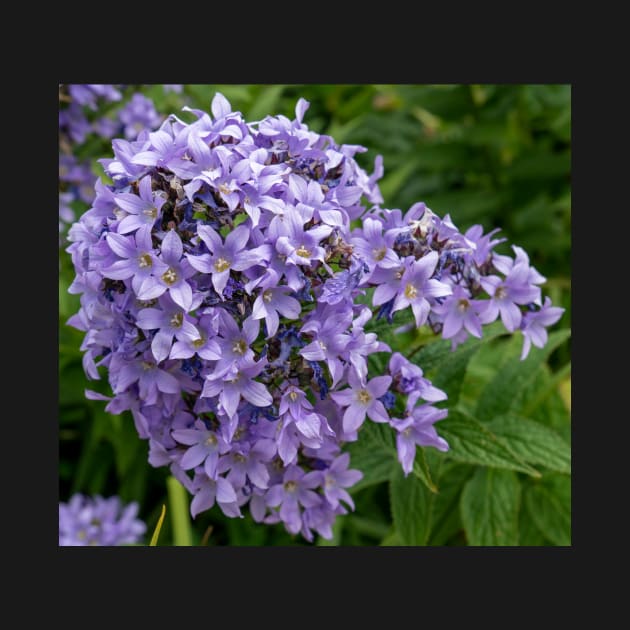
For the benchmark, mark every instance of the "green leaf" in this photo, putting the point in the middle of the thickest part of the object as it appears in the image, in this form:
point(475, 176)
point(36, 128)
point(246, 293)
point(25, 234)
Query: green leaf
point(473, 443)
point(411, 508)
point(548, 503)
point(266, 102)
point(445, 518)
point(158, 527)
point(372, 455)
point(489, 508)
point(528, 534)
point(448, 367)
point(533, 442)
point(503, 393)
point(391, 540)
point(180, 515)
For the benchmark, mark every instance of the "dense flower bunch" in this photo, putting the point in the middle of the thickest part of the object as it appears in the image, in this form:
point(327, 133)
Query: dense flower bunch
point(229, 279)
point(98, 521)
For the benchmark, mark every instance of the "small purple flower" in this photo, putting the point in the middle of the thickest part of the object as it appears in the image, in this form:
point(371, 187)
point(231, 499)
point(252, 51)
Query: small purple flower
point(174, 278)
point(361, 400)
point(205, 344)
point(506, 293)
point(223, 257)
point(337, 477)
point(374, 248)
point(98, 521)
point(408, 379)
point(413, 288)
point(418, 429)
point(234, 343)
point(534, 323)
point(141, 209)
point(205, 448)
point(272, 301)
point(294, 491)
point(138, 114)
point(300, 247)
point(139, 258)
point(151, 379)
point(169, 321)
point(249, 462)
point(207, 491)
point(341, 285)
point(460, 312)
point(238, 382)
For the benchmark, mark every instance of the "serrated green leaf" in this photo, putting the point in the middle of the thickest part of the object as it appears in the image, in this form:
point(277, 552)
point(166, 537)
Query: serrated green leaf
point(504, 391)
point(411, 508)
point(533, 442)
point(490, 507)
point(548, 503)
point(473, 443)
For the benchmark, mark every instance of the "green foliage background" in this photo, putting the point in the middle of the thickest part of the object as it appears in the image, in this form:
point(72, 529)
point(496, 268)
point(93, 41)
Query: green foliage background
point(499, 155)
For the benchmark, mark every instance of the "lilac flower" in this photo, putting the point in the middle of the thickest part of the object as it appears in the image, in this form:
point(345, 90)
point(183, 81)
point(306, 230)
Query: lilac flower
point(249, 463)
point(139, 258)
point(374, 248)
point(361, 400)
point(328, 325)
point(413, 288)
point(234, 343)
point(174, 278)
point(203, 344)
point(300, 247)
point(169, 321)
point(408, 379)
point(226, 256)
point(272, 301)
point(205, 448)
point(138, 114)
point(150, 379)
point(337, 477)
point(460, 311)
point(207, 491)
point(342, 284)
point(238, 382)
point(97, 521)
point(506, 293)
point(417, 429)
point(141, 209)
point(533, 325)
point(294, 491)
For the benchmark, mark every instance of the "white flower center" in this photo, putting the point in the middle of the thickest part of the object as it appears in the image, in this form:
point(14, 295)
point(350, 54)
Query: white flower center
point(221, 264)
point(170, 276)
point(411, 292)
point(144, 261)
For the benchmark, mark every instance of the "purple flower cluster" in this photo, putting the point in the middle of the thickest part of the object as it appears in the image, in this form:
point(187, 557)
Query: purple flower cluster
point(98, 521)
point(219, 278)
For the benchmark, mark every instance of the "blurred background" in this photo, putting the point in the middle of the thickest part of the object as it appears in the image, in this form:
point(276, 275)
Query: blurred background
point(498, 155)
